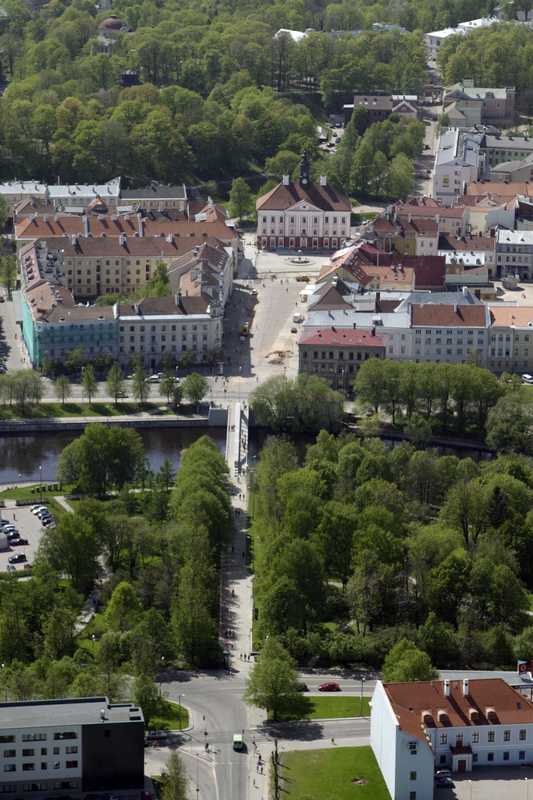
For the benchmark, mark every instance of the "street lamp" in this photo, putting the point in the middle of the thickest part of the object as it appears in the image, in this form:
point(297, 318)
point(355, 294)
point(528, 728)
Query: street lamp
point(179, 710)
point(363, 679)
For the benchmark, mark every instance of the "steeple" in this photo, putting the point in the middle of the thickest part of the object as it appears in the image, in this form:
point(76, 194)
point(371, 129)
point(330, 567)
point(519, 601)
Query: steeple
point(305, 169)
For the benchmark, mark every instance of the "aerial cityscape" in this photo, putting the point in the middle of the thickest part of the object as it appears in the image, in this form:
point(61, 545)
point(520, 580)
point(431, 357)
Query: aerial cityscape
point(266, 400)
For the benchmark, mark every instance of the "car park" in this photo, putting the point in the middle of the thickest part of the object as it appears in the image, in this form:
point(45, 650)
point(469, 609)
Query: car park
point(17, 559)
point(332, 686)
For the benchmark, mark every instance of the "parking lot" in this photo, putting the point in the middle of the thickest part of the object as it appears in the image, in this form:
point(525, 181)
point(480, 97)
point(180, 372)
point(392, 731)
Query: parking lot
point(29, 527)
point(490, 783)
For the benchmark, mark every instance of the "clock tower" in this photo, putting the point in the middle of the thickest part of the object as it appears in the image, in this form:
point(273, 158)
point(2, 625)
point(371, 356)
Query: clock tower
point(305, 169)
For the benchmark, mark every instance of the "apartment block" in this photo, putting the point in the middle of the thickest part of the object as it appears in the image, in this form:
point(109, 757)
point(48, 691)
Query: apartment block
point(69, 748)
point(514, 253)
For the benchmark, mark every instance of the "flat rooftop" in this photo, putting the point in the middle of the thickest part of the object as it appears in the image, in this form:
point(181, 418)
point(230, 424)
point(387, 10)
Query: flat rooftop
point(55, 713)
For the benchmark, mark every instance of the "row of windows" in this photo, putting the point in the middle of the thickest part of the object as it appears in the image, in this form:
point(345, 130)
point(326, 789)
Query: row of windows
point(164, 338)
point(30, 751)
point(491, 737)
point(183, 328)
point(340, 355)
point(342, 220)
point(38, 737)
point(31, 767)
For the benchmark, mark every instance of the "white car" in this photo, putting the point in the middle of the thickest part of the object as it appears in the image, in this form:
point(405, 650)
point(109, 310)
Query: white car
point(153, 379)
point(527, 378)
point(36, 509)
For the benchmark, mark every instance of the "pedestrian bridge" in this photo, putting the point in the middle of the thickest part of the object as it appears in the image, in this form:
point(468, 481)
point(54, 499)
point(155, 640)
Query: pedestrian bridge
point(237, 439)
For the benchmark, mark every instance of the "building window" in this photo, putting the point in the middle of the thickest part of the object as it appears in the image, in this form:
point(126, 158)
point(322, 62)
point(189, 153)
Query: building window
point(10, 753)
point(71, 749)
point(522, 735)
point(490, 736)
point(507, 736)
point(475, 738)
point(413, 748)
point(71, 764)
point(490, 756)
point(522, 755)
point(412, 795)
point(28, 767)
point(506, 756)
point(10, 767)
point(412, 775)
point(443, 759)
point(33, 737)
point(28, 752)
point(66, 735)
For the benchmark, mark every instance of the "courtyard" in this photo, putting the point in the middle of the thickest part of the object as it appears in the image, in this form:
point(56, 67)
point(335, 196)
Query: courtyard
point(491, 783)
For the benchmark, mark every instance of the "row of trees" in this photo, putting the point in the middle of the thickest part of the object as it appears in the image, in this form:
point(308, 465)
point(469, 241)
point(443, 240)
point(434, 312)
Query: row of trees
point(389, 544)
point(21, 387)
point(447, 395)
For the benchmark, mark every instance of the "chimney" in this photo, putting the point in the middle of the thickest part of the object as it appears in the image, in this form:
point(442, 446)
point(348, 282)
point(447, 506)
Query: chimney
point(140, 225)
point(323, 180)
point(372, 331)
point(446, 687)
point(286, 180)
point(466, 687)
point(85, 221)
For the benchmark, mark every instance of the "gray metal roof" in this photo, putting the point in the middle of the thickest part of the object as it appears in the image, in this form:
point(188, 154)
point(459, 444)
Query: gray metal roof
point(155, 190)
point(508, 143)
point(57, 713)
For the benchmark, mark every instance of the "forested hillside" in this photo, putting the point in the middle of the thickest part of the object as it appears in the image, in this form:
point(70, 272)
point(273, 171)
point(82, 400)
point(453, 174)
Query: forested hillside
point(208, 105)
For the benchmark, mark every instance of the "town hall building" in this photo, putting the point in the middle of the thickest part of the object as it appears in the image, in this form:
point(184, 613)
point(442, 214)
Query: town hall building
point(302, 215)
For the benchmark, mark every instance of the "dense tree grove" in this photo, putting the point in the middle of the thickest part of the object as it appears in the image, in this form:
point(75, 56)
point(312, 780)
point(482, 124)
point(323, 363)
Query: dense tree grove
point(217, 90)
point(151, 560)
point(361, 549)
point(501, 55)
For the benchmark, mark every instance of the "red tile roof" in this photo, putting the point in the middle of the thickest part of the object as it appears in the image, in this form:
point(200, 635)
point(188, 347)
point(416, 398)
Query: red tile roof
point(439, 315)
point(410, 700)
point(466, 243)
point(47, 226)
point(342, 337)
point(148, 246)
point(284, 196)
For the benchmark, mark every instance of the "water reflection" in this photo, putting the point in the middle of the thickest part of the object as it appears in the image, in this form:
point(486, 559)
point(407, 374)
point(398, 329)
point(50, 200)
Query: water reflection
point(21, 456)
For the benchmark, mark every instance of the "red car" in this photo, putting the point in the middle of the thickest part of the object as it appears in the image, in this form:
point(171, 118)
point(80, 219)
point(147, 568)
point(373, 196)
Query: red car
point(329, 687)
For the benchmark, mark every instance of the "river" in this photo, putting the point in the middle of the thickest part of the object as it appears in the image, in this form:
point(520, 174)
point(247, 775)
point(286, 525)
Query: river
point(21, 456)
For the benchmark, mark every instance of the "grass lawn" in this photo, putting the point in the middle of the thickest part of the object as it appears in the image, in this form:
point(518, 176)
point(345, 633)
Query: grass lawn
point(171, 717)
point(330, 775)
point(96, 409)
point(332, 707)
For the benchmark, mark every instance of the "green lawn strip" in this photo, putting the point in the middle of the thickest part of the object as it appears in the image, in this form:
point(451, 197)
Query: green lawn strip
point(332, 774)
point(47, 410)
point(334, 707)
point(171, 717)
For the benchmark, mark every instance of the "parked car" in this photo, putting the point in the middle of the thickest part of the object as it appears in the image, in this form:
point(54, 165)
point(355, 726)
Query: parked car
point(19, 541)
point(47, 523)
point(443, 773)
point(13, 534)
point(39, 507)
point(329, 687)
point(153, 379)
point(443, 783)
point(19, 558)
point(43, 514)
point(527, 378)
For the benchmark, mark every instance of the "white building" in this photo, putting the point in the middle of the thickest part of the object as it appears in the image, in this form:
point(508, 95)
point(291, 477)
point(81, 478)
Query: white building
point(416, 728)
point(458, 161)
point(302, 215)
point(65, 748)
point(435, 39)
